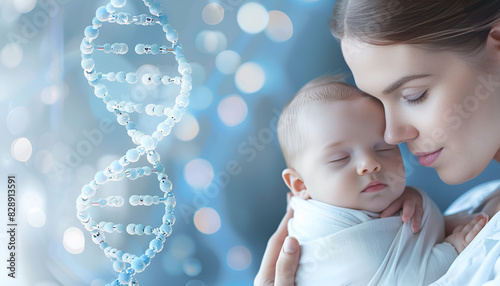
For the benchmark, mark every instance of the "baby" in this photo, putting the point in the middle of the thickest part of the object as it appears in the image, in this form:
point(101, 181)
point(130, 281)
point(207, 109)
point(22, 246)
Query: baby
point(343, 175)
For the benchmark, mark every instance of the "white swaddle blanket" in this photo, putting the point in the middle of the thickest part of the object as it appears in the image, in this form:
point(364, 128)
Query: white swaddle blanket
point(341, 246)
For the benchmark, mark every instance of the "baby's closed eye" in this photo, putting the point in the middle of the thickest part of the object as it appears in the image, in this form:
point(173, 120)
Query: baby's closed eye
point(339, 159)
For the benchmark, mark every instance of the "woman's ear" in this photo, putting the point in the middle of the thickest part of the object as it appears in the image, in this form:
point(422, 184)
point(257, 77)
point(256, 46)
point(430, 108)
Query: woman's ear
point(493, 42)
point(295, 183)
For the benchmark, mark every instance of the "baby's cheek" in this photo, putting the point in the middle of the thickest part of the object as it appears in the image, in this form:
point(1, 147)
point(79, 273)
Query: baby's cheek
point(397, 182)
point(395, 175)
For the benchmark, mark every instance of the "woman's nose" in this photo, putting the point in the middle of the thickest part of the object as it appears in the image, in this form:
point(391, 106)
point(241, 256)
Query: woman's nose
point(368, 164)
point(397, 128)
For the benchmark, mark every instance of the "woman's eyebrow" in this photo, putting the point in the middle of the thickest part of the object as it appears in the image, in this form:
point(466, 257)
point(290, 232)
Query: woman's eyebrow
point(402, 81)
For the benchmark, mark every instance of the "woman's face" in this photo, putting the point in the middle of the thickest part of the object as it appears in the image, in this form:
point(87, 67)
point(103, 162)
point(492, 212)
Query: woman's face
point(445, 109)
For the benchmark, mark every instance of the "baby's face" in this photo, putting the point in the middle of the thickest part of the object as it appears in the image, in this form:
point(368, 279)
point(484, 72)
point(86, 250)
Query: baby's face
point(346, 161)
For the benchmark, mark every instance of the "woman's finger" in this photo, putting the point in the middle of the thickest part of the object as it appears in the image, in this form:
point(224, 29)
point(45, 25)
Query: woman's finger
point(287, 264)
point(266, 274)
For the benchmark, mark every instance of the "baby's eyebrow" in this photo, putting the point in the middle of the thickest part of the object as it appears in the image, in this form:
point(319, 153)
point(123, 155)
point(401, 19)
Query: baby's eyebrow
point(331, 145)
point(402, 81)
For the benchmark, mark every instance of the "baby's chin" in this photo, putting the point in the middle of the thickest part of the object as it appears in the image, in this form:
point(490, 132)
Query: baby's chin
point(382, 206)
point(378, 209)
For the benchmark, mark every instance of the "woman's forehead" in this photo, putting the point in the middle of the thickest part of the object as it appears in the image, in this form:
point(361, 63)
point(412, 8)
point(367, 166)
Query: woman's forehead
point(375, 67)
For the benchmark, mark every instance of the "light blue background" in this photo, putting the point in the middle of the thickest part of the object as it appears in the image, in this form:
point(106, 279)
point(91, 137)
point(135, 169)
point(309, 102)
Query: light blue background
point(251, 203)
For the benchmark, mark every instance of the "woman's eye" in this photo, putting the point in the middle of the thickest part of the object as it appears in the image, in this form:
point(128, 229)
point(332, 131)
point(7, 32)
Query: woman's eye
point(415, 98)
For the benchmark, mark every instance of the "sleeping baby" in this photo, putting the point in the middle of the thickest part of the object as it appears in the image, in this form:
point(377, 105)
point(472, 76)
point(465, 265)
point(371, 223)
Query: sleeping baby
point(343, 175)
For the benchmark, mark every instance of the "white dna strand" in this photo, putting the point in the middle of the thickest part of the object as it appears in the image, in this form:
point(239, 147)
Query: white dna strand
point(127, 264)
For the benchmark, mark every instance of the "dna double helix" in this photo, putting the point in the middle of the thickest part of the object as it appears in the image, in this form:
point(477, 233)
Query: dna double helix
point(128, 264)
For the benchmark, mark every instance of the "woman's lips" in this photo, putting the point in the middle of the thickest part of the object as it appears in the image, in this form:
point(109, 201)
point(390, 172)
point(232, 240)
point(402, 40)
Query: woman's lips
point(374, 187)
point(426, 159)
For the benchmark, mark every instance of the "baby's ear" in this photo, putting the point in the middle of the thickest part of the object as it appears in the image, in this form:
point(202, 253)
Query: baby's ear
point(295, 183)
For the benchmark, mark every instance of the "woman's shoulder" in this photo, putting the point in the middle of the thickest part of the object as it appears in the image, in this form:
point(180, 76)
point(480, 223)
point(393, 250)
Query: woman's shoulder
point(473, 198)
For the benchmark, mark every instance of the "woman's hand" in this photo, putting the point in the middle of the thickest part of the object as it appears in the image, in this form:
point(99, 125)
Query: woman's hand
point(281, 257)
point(411, 204)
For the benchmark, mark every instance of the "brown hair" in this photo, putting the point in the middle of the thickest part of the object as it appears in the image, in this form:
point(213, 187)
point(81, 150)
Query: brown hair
point(323, 89)
point(459, 25)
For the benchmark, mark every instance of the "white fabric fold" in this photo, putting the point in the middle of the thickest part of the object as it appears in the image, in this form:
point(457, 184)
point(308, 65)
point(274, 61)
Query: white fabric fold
point(350, 247)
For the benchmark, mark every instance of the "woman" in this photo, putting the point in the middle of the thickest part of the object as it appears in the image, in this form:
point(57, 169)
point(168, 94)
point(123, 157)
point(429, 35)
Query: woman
point(435, 66)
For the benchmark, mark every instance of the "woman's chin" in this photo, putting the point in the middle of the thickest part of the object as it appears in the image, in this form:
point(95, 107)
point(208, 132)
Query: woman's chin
point(456, 177)
point(497, 156)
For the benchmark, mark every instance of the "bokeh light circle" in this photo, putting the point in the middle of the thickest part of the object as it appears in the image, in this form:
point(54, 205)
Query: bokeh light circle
point(51, 94)
point(207, 220)
point(239, 258)
point(250, 77)
point(74, 240)
point(212, 14)
point(33, 199)
point(11, 55)
point(210, 42)
point(9, 13)
point(187, 128)
point(199, 173)
point(24, 6)
point(232, 110)
point(252, 18)
point(36, 217)
point(280, 27)
point(18, 119)
point(192, 266)
point(21, 149)
point(227, 61)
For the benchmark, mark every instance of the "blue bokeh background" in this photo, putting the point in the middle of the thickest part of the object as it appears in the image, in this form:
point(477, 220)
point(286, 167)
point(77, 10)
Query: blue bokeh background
point(221, 173)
